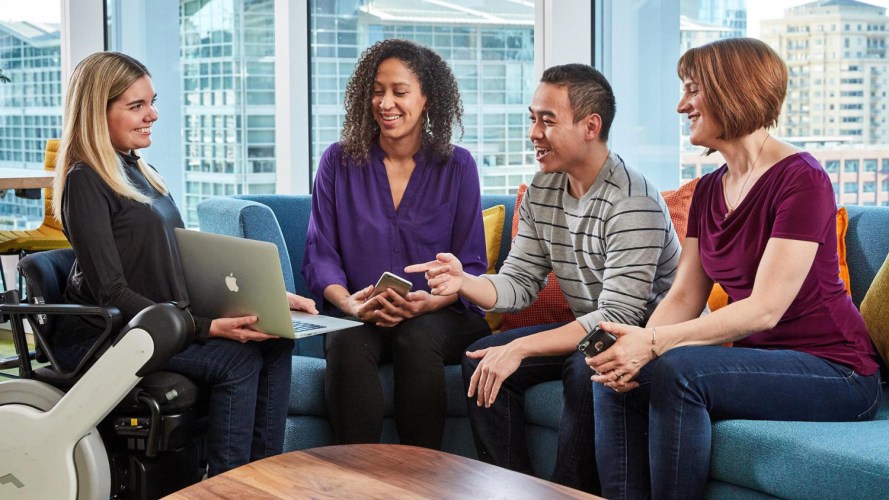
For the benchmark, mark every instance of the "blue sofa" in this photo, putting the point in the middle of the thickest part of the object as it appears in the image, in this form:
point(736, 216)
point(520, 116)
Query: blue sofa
point(750, 459)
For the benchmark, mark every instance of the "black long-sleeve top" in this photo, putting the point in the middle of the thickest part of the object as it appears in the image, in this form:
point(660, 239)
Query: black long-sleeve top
point(126, 253)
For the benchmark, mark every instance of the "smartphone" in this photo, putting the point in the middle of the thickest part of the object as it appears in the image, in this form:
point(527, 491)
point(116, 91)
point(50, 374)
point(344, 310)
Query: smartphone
point(389, 280)
point(595, 342)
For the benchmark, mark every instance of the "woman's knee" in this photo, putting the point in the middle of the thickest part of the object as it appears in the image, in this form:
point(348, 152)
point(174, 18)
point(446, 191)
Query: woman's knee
point(245, 363)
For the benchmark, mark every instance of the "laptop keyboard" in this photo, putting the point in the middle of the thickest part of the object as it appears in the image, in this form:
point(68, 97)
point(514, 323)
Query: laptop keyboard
point(303, 326)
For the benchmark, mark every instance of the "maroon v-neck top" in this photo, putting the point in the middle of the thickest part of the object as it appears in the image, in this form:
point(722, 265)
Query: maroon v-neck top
point(792, 200)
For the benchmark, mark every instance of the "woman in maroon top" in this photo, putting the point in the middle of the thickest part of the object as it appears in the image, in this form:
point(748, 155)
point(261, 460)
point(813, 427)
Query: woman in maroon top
point(763, 226)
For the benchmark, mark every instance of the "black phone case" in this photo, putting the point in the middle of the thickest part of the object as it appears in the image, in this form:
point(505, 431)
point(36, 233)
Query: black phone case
point(595, 342)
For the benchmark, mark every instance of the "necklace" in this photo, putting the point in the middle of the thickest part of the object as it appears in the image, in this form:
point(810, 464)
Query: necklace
point(728, 205)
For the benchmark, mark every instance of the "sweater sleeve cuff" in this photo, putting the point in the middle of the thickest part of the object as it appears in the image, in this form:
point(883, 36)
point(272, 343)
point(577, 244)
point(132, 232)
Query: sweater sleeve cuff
point(201, 330)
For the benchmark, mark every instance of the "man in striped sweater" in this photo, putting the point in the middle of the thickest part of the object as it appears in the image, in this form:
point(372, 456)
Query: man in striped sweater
point(605, 232)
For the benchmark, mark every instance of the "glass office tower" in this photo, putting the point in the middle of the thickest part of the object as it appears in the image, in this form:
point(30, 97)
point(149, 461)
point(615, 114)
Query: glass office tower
point(30, 108)
point(227, 64)
point(489, 45)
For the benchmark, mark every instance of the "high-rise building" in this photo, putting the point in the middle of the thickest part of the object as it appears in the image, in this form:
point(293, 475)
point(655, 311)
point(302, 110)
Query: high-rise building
point(489, 44)
point(835, 52)
point(730, 14)
point(702, 22)
point(30, 108)
point(227, 63)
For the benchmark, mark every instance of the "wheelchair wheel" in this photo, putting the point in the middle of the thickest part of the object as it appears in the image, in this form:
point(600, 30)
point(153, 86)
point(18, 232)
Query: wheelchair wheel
point(90, 458)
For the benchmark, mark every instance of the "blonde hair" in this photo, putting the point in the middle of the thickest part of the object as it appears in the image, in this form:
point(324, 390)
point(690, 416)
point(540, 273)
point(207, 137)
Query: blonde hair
point(96, 83)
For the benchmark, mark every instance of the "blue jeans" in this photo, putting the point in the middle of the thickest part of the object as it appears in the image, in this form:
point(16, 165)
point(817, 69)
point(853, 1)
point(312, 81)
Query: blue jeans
point(499, 431)
point(249, 391)
point(654, 441)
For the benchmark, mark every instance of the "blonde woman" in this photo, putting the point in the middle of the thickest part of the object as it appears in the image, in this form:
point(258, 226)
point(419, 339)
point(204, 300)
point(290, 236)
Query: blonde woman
point(119, 216)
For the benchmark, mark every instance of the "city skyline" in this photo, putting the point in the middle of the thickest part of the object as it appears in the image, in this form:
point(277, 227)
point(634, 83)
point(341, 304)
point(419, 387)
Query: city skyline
point(228, 105)
point(46, 11)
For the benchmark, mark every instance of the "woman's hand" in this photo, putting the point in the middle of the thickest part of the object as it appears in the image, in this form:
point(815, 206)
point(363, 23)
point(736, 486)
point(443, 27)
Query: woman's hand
point(237, 329)
point(359, 306)
point(393, 308)
point(299, 303)
point(618, 366)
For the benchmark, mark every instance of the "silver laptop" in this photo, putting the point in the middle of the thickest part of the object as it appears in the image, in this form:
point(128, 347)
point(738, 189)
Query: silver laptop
point(228, 277)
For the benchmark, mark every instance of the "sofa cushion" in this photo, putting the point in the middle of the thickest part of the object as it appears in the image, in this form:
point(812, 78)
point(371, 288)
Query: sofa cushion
point(875, 310)
point(828, 459)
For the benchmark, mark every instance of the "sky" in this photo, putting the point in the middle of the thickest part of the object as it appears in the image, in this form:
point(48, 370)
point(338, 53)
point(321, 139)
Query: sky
point(49, 11)
point(43, 11)
point(757, 10)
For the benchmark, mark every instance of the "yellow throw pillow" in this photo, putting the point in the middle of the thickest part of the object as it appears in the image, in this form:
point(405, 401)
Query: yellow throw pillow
point(493, 218)
point(875, 310)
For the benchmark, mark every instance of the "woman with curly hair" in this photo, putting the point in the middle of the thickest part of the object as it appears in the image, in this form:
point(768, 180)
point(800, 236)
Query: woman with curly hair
point(394, 191)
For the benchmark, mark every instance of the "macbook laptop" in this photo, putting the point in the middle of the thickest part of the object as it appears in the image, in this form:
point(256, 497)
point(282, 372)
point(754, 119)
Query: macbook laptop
point(228, 277)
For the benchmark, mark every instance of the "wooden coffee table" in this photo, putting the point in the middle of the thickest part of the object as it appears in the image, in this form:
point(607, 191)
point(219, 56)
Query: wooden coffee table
point(373, 471)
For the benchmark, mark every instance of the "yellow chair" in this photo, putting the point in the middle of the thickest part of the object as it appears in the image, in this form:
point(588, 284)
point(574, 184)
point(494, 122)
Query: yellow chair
point(49, 235)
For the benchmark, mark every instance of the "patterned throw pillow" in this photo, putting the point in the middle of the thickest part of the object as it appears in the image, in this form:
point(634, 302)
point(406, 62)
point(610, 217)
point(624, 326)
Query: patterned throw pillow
point(550, 306)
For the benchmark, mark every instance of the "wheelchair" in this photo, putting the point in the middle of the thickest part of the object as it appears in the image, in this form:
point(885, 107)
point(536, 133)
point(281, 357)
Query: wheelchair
point(114, 426)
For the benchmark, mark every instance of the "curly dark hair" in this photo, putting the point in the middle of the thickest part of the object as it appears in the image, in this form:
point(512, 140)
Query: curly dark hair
point(437, 83)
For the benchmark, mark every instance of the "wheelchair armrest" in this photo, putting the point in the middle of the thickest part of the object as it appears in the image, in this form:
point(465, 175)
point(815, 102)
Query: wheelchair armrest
point(25, 309)
point(36, 313)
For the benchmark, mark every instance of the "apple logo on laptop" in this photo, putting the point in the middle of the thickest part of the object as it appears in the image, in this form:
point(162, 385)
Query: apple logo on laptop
point(231, 282)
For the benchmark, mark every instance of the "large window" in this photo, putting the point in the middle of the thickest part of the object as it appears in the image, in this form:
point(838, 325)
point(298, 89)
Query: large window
point(838, 74)
point(225, 107)
point(213, 63)
point(30, 97)
point(489, 45)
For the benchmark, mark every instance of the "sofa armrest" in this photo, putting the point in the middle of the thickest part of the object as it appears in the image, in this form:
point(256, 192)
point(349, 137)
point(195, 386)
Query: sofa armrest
point(247, 219)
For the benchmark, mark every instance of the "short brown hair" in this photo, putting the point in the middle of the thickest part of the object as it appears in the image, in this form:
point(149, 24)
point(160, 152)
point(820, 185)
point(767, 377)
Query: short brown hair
point(743, 81)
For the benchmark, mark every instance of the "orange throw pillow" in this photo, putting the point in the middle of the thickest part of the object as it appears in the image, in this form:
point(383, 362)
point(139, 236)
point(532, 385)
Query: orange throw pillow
point(842, 226)
point(718, 297)
point(678, 202)
point(550, 306)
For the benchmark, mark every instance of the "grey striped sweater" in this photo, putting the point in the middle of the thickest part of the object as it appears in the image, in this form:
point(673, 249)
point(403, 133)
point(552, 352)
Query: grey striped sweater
point(614, 251)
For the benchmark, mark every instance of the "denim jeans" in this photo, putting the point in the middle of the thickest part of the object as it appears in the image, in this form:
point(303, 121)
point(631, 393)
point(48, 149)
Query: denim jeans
point(499, 431)
point(418, 349)
point(249, 391)
point(654, 441)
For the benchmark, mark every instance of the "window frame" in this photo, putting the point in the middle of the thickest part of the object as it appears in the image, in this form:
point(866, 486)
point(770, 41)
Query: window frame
point(565, 31)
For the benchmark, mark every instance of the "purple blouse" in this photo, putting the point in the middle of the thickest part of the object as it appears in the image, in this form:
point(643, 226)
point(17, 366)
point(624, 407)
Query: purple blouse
point(793, 200)
point(355, 233)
